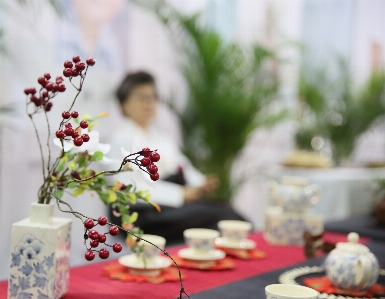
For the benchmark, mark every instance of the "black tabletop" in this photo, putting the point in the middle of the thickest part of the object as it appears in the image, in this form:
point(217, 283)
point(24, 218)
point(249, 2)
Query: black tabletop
point(363, 225)
point(254, 287)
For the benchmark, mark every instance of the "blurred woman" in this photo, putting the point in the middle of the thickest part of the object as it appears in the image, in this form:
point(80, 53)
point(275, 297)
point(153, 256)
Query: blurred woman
point(181, 187)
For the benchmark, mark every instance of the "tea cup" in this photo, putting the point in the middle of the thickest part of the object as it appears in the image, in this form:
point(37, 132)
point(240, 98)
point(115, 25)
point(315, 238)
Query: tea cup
point(147, 251)
point(290, 291)
point(201, 240)
point(234, 231)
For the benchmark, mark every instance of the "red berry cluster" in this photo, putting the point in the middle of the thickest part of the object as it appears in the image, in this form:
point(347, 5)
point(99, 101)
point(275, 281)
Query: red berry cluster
point(68, 132)
point(145, 159)
point(95, 239)
point(47, 91)
point(76, 67)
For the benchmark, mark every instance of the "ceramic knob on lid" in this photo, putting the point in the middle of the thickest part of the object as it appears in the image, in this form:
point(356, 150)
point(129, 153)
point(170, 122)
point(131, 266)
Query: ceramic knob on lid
point(351, 266)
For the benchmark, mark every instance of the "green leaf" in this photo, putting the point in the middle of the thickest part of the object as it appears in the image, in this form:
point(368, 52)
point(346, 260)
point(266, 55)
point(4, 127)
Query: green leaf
point(60, 167)
point(126, 218)
point(133, 217)
point(103, 196)
point(58, 193)
point(122, 197)
point(83, 161)
point(72, 185)
point(97, 156)
point(77, 192)
point(71, 156)
point(131, 197)
point(72, 165)
point(111, 196)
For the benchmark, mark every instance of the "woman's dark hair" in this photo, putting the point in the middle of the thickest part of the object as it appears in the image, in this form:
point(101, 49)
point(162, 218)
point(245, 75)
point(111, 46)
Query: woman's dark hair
point(131, 81)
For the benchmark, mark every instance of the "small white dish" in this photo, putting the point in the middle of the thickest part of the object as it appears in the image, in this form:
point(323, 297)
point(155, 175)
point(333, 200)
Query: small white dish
point(212, 255)
point(244, 244)
point(133, 262)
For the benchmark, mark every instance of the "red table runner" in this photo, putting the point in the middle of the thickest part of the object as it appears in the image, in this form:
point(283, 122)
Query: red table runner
point(88, 282)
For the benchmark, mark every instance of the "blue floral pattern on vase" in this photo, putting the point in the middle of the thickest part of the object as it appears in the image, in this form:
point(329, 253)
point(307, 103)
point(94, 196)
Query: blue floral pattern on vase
point(40, 257)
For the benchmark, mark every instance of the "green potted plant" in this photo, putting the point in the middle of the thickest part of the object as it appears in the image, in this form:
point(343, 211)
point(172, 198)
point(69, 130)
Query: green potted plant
point(335, 109)
point(230, 90)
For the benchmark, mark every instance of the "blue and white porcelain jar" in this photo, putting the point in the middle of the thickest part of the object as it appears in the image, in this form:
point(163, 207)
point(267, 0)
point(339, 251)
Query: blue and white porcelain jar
point(351, 266)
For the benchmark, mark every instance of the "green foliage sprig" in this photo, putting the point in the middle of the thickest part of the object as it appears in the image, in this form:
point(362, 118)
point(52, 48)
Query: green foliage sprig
point(339, 112)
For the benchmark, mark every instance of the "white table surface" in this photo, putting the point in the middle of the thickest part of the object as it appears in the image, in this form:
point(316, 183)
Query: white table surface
point(345, 191)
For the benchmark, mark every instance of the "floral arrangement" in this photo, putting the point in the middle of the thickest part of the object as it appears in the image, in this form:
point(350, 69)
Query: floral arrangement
point(72, 171)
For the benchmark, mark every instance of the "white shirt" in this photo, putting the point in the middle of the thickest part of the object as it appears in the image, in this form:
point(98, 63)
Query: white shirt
point(133, 138)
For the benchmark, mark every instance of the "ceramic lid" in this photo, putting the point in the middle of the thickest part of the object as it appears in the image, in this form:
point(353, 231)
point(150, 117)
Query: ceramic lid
point(352, 246)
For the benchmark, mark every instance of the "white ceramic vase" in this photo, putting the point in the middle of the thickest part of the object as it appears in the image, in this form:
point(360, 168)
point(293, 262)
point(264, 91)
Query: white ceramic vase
point(40, 255)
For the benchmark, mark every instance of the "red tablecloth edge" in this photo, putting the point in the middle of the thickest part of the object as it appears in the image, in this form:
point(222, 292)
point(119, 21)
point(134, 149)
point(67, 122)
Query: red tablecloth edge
point(87, 281)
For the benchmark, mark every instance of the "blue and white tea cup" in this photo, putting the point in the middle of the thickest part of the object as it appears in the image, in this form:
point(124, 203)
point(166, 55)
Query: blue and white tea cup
point(148, 251)
point(234, 231)
point(201, 240)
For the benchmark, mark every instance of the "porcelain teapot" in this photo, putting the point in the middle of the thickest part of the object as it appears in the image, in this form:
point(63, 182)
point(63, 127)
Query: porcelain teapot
point(351, 266)
point(294, 194)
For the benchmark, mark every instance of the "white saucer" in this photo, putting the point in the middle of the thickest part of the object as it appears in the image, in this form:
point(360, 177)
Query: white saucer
point(212, 255)
point(131, 261)
point(245, 244)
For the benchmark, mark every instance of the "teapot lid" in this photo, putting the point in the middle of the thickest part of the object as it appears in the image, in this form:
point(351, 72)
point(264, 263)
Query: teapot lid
point(352, 246)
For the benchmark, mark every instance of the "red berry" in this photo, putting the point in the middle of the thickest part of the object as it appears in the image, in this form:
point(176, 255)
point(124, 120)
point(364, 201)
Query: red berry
point(60, 134)
point(75, 72)
point(94, 243)
point(36, 101)
point(27, 91)
point(76, 134)
point(155, 157)
point(154, 176)
point(47, 76)
point(32, 90)
point(86, 137)
point(42, 81)
point(78, 141)
point(68, 125)
point(67, 72)
point(49, 86)
point(75, 175)
point(74, 114)
point(55, 88)
point(80, 66)
point(104, 254)
point(90, 61)
point(117, 247)
point(102, 220)
point(59, 79)
point(76, 58)
point(84, 124)
point(44, 94)
point(102, 238)
point(68, 64)
point(145, 161)
point(114, 230)
point(90, 255)
point(89, 223)
point(93, 234)
point(48, 106)
point(69, 131)
point(61, 87)
point(146, 152)
point(66, 114)
point(152, 168)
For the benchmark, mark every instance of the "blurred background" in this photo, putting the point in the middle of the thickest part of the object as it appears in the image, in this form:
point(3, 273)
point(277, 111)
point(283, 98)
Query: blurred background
point(244, 84)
